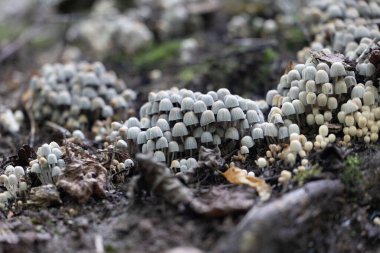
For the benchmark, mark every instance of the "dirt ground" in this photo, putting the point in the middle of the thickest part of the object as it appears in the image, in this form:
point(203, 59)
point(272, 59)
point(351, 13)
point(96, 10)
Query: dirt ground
point(119, 224)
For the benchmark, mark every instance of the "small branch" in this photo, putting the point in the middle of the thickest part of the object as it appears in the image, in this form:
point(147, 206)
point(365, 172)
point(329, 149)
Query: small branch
point(265, 228)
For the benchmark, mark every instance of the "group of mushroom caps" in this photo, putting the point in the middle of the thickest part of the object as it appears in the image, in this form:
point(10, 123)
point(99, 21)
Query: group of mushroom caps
point(174, 124)
point(321, 98)
point(325, 100)
point(75, 95)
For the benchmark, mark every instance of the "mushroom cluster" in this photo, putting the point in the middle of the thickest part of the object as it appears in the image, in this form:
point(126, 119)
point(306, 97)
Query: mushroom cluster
point(323, 91)
point(329, 95)
point(174, 123)
point(49, 163)
point(105, 28)
point(340, 26)
point(14, 181)
point(76, 95)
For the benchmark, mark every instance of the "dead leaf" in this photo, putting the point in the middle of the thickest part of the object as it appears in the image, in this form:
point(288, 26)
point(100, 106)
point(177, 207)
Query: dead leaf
point(155, 177)
point(44, 196)
point(238, 176)
point(83, 178)
point(331, 58)
point(210, 158)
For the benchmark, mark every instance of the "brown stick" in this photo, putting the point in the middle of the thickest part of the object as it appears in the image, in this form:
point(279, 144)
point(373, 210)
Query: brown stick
point(267, 228)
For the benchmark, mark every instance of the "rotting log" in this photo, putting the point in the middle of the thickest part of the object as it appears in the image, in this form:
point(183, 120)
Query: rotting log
point(278, 226)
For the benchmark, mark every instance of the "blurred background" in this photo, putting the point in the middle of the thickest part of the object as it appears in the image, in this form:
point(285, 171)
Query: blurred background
point(203, 45)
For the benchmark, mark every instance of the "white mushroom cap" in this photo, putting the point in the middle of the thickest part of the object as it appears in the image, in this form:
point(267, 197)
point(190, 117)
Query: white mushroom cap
point(206, 137)
point(173, 147)
point(247, 141)
point(161, 143)
point(190, 143)
point(207, 118)
point(244, 150)
point(231, 133)
point(159, 156)
point(190, 119)
point(231, 101)
point(337, 69)
point(223, 115)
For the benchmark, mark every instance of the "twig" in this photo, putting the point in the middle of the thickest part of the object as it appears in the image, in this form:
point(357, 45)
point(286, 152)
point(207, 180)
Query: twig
point(366, 51)
point(99, 246)
point(57, 127)
point(32, 122)
point(267, 226)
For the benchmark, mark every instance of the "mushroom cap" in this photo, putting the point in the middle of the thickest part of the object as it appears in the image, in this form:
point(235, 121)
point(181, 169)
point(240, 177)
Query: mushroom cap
point(190, 119)
point(223, 115)
point(231, 133)
point(207, 117)
point(231, 101)
point(237, 114)
point(288, 109)
point(337, 69)
point(165, 105)
point(175, 114)
point(161, 143)
point(321, 77)
point(217, 105)
point(247, 141)
point(179, 130)
point(159, 156)
point(173, 147)
point(206, 137)
point(190, 143)
point(187, 104)
point(200, 106)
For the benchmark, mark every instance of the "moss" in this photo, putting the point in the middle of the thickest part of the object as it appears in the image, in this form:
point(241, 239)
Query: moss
point(187, 74)
point(157, 54)
point(42, 42)
point(269, 55)
point(351, 175)
point(294, 39)
point(304, 176)
point(7, 32)
point(110, 249)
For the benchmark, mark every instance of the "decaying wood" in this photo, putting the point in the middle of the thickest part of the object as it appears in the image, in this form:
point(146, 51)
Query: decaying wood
point(269, 227)
point(156, 178)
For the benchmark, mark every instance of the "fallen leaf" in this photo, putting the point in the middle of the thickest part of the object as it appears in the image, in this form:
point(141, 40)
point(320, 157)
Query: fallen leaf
point(44, 196)
point(210, 158)
point(238, 176)
point(83, 178)
point(331, 58)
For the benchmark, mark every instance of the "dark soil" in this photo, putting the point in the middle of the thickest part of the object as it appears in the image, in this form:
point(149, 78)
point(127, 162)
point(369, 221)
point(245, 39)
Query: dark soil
point(117, 224)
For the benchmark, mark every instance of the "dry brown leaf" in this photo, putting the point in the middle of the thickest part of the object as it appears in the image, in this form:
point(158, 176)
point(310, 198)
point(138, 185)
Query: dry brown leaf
point(83, 179)
point(238, 176)
point(210, 158)
point(44, 196)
